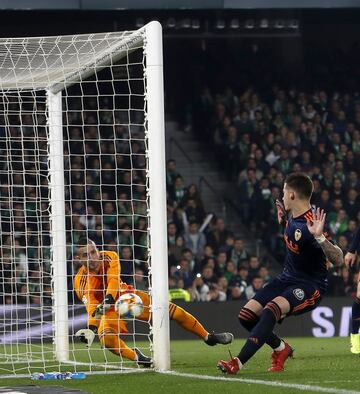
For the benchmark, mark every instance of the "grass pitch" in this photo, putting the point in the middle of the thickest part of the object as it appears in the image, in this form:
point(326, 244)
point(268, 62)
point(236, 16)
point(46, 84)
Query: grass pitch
point(319, 365)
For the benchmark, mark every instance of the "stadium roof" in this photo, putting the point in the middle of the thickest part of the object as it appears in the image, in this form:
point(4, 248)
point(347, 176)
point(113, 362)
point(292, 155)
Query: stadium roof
point(173, 4)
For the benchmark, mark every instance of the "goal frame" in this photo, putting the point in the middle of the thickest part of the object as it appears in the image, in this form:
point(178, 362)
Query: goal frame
point(155, 135)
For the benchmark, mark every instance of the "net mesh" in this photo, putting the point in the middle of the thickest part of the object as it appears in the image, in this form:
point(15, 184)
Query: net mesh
point(106, 187)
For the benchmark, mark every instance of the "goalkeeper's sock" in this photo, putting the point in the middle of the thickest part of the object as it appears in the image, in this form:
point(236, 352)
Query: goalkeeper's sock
point(355, 316)
point(117, 346)
point(187, 321)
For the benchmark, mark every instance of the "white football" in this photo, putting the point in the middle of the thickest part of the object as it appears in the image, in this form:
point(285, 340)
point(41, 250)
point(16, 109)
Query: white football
point(129, 305)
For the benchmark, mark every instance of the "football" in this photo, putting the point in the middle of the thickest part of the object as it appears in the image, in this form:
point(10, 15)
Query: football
point(129, 305)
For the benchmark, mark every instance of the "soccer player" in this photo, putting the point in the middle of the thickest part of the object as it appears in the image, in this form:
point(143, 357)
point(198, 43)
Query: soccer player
point(350, 259)
point(98, 284)
point(299, 288)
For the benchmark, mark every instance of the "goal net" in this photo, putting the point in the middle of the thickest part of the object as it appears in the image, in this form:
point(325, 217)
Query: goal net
point(81, 154)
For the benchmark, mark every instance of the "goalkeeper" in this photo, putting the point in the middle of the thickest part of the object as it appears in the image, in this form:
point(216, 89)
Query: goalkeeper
point(98, 284)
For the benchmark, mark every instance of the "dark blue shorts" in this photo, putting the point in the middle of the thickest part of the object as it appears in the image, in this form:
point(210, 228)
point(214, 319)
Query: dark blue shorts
point(302, 297)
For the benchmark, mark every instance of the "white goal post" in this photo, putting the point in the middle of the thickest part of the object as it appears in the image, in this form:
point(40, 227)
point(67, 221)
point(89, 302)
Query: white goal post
point(82, 151)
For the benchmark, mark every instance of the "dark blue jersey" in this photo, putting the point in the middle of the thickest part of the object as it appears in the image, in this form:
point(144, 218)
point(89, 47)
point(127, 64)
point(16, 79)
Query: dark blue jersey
point(305, 261)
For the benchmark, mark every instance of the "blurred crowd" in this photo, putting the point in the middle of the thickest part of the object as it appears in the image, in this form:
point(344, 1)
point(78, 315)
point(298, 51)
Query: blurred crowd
point(206, 260)
point(260, 137)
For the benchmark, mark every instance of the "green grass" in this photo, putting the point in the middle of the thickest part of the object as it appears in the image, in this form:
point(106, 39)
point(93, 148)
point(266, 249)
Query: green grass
point(318, 362)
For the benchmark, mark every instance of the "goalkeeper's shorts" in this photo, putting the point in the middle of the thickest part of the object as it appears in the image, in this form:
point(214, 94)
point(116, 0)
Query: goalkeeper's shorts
point(110, 323)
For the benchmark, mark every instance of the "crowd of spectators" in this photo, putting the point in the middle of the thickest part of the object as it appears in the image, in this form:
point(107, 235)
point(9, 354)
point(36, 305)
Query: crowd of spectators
point(206, 259)
point(261, 136)
point(258, 137)
point(106, 198)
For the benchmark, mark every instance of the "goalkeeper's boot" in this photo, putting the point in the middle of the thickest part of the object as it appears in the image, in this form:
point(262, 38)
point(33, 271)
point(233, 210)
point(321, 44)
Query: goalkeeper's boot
point(231, 367)
point(278, 358)
point(355, 343)
point(223, 337)
point(143, 360)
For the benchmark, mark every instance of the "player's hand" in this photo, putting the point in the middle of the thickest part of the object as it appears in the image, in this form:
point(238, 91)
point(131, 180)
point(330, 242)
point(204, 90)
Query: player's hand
point(102, 308)
point(316, 225)
point(87, 335)
point(281, 212)
point(350, 259)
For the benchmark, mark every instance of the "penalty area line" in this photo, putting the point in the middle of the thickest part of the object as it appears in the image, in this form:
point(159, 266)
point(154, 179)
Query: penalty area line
point(302, 387)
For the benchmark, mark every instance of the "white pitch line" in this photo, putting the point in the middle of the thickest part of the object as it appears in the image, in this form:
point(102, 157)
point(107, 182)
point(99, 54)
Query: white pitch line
point(303, 387)
point(330, 381)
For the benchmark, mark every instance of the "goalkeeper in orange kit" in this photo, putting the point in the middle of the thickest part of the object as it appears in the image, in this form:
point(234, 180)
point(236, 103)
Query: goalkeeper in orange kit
point(98, 284)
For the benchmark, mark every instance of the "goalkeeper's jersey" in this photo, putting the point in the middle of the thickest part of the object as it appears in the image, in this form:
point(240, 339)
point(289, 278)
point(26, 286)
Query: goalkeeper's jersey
point(91, 288)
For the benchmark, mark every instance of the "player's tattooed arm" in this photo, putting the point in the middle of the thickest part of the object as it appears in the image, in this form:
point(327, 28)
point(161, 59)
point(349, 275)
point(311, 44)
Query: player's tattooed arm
point(333, 253)
point(316, 227)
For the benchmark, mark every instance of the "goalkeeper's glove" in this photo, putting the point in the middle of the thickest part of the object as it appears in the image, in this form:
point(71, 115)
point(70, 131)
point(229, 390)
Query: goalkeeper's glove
point(102, 308)
point(87, 335)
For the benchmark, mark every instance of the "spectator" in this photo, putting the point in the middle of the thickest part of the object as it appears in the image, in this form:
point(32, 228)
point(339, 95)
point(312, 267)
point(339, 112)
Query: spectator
point(230, 271)
point(349, 233)
point(256, 284)
point(254, 267)
point(218, 235)
point(216, 293)
point(176, 251)
point(192, 192)
point(177, 192)
point(139, 280)
point(236, 293)
point(184, 272)
point(171, 173)
point(248, 190)
point(239, 280)
point(228, 246)
point(127, 267)
point(339, 224)
point(221, 261)
point(189, 256)
point(194, 213)
point(208, 254)
point(195, 240)
point(352, 203)
point(172, 232)
point(324, 201)
point(238, 253)
point(208, 276)
point(264, 274)
point(199, 290)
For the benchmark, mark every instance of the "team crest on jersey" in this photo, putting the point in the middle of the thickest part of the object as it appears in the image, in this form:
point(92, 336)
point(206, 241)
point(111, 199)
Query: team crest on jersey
point(297, 234)
point(299, 294)
point(84, 300)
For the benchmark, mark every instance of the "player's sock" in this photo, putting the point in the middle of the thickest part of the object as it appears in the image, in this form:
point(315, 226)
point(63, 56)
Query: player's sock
point(281, 347)
point(355, 316)
point(117, 346)
point(261, 332)
point(248, 319)
point(187, 321)
point(355, 343)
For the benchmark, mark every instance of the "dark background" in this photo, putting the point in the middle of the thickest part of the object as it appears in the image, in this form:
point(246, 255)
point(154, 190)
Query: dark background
point(208, 55)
